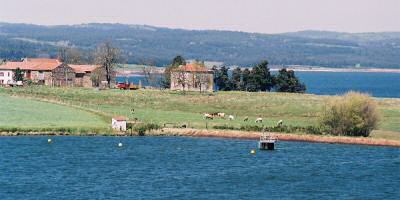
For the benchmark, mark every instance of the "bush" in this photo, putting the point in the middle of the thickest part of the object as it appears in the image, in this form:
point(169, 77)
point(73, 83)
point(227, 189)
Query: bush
point(142, 128)
point(354, 114)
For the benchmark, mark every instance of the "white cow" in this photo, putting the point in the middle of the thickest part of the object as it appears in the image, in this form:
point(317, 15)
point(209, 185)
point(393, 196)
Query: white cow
point(231, 117)
point(280, 122)
point(222, 115)
point(259, 120)
point(208, 116)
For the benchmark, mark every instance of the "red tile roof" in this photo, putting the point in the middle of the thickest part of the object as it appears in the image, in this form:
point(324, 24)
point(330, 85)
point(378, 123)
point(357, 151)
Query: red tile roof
point(192, 68)
point(31, 65)
point(84, 68)
point(44, 64)
point(120, 118)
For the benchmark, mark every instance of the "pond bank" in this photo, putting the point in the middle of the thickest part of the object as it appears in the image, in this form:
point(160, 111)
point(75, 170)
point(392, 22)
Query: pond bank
point(232, 135)
point(280, 136)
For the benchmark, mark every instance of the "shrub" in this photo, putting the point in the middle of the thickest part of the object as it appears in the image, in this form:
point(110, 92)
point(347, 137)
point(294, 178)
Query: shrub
point(142, 128)
point(354, 114)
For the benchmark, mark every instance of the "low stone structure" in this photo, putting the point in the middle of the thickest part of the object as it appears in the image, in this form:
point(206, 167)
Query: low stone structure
point(119, 123)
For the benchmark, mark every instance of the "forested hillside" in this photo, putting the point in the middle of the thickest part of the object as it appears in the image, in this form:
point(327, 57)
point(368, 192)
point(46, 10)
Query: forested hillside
point(159, 45)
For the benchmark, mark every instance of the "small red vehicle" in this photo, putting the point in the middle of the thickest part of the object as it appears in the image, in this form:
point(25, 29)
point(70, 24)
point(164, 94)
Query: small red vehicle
point(127, 86)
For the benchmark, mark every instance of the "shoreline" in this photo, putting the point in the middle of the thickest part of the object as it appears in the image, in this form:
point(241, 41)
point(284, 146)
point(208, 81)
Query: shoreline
point(138, 73)
point(329, 69)
point(282, 136)
point(230, 134)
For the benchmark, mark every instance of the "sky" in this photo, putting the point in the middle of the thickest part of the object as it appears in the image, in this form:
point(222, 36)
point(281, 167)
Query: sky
point(263, 16)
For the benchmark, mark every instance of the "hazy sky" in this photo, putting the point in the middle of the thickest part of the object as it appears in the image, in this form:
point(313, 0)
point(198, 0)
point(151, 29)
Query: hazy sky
point(267, 16)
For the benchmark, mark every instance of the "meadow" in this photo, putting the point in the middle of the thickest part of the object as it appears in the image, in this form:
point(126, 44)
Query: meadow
point(170, 107)
point(21, 114)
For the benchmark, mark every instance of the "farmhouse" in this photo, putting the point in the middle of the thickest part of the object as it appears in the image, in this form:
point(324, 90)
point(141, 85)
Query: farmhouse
point(6, 76)
point(192, 77)
point(49, 72)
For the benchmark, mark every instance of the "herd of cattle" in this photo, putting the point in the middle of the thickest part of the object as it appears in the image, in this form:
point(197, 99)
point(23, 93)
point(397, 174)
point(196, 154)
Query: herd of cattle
point(221, 115)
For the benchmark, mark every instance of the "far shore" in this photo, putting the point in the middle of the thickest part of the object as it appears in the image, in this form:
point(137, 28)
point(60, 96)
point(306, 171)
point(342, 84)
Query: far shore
point(123, 73)
point(330, 69)
point(232, 135)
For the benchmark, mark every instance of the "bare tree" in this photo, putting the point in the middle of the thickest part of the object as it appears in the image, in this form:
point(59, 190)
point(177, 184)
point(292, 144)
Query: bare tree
point(107, 57)
point(69, 55)
point(150, 75)
point(201, 80)
point(181, 78)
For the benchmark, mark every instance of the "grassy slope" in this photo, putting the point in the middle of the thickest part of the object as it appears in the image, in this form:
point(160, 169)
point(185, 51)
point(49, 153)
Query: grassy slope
point(29, 115)
point(166, 106)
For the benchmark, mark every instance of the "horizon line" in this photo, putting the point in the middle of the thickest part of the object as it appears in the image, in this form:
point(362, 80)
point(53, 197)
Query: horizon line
point(197, 29)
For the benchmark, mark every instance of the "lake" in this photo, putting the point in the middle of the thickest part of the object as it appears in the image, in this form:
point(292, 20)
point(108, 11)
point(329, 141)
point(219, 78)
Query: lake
point(193, 168)
point(333, 83)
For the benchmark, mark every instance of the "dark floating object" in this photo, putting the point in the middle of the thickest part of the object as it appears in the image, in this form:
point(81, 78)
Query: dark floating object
point(267, 142)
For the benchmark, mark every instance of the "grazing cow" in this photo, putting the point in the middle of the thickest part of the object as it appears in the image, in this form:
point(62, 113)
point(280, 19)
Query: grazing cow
point(246, 119)
point(222, 115)
point(208, 116)
point(259, 120)
point(280, 122)
point(231, 117)
point(214, 114)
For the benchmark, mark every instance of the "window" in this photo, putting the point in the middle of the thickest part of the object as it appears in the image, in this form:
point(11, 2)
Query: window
point(1, 74)
point(8, 74)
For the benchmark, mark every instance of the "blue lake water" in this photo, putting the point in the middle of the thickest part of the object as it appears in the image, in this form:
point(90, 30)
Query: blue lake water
point(334, 83)
point(193, 168)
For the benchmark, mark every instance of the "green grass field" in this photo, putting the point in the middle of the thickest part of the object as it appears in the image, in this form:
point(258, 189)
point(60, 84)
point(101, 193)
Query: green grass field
point(21, 114)
point(174, 107)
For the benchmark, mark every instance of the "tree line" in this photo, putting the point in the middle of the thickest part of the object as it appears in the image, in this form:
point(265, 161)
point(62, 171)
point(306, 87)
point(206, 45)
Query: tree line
point(258, 78)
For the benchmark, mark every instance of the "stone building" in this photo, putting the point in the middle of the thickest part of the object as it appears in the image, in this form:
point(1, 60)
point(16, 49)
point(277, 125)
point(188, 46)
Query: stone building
point(63, 75)
point(50, 72)
point(84, 75)
point(192, 77)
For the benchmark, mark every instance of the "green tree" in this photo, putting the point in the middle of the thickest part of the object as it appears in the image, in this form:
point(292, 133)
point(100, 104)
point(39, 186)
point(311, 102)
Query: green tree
point(286, 81)
point(236, 80)
point(18, 75)
point(176, 62)
point(245, 79)
point(261, 78)
point(222, 80)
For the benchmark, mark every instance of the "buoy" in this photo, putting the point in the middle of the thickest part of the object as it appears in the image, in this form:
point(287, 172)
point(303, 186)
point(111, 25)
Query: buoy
point(120, 144)
point(253, 151)
point(49, 140)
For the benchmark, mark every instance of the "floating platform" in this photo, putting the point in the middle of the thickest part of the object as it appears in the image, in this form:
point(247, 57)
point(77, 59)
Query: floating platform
point(267, 142)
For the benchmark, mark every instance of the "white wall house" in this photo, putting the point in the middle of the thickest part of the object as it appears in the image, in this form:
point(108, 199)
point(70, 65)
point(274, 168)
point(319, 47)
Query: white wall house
point(119, 123)
point(6, 76)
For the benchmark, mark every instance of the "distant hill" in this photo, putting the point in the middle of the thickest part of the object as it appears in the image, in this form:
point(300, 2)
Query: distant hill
point(159, 45)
